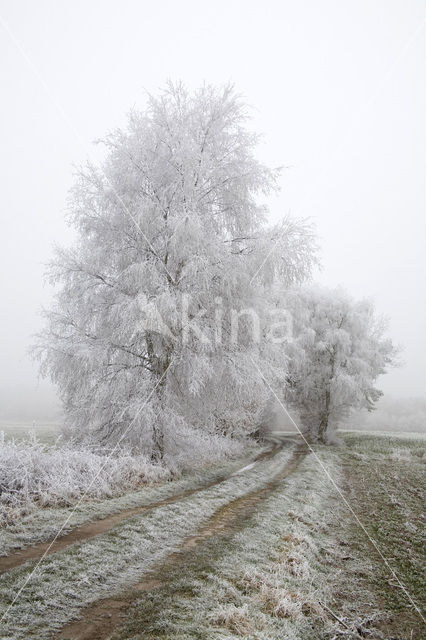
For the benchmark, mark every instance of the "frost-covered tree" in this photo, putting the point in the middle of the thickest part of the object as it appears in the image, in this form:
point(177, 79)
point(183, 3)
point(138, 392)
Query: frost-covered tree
point(141, 340)
point(337, 352)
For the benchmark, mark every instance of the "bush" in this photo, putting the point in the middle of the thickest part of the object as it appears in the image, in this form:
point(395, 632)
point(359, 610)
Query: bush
point(34, 474)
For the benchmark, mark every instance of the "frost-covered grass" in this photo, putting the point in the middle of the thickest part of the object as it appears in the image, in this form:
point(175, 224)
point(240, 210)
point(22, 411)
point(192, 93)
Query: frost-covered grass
point(302, 569)
point(36, 475)
point(405, 435)
point(386, 480)
point(30, 524)
point(296, 559)
point(386, 446)
point(269, 581)
point(109, 563)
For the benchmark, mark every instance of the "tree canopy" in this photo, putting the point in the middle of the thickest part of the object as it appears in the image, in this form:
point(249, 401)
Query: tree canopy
point(337, 352)
point(172, 249)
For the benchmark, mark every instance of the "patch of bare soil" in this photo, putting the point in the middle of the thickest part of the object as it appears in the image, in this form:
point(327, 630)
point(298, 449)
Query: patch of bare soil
point(100, 620)
point(98, 527)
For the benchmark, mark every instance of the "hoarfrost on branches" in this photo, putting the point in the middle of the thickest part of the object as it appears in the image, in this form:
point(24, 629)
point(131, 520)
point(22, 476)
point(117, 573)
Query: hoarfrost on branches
point(339, 349)
point(173, 252)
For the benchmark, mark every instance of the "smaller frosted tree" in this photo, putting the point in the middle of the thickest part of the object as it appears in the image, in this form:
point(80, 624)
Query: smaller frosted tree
point(337, 352)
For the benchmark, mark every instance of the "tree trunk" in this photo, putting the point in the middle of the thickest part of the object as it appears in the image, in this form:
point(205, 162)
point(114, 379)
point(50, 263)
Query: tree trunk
point(157, 453)
point(159, 366)
point(323, 426)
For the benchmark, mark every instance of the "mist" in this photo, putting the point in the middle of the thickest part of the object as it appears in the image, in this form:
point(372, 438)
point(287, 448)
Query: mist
point(339, 92)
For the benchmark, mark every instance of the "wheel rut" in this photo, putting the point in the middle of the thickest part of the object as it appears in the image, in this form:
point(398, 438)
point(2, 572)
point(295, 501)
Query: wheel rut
point(100, 620)
point(98, 527)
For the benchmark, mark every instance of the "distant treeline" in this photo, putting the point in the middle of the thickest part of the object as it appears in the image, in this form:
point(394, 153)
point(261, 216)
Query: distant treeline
point(392, 414)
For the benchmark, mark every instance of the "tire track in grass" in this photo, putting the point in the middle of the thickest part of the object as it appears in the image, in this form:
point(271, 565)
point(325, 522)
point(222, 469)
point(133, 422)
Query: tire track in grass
point(98, 527)
point(102, 618)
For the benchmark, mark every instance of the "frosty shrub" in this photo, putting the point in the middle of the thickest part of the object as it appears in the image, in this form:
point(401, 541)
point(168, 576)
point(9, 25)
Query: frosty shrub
point(193, 449)
point(33, 474)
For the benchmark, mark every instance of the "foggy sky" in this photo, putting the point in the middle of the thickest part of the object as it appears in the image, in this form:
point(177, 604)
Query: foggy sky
point(338, 89)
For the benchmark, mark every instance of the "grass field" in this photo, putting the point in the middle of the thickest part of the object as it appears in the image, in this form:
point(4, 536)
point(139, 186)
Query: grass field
point(386, 485)
point(45, 432)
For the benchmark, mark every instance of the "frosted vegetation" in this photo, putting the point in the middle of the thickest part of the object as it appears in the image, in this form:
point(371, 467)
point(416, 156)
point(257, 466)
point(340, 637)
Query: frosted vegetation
point(33, 474)
point(40, 525)
point(115, 560)
point(301, 569)
point(173, 249)
point(337, 353)
point(296, 568)
point(181, 316)
point(267, 581)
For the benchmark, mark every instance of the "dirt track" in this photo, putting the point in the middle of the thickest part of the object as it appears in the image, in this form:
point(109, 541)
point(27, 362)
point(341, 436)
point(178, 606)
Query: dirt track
point(101, 619)
point(98, 527)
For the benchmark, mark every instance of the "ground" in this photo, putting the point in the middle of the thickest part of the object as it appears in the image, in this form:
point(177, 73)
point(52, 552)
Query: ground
point(307, 543)
point(386, 482)
point(47, 432)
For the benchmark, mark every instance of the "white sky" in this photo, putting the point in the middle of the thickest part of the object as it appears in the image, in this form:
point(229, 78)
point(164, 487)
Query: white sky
point(339, 90)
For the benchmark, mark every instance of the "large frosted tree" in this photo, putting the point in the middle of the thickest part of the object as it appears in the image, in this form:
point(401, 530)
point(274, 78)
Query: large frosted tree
point(171, 231)
point(337, 352)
